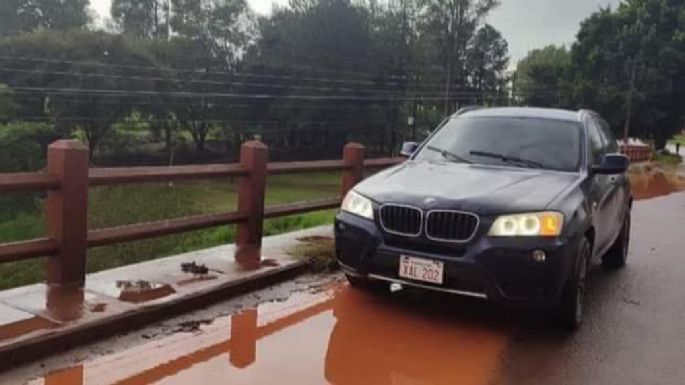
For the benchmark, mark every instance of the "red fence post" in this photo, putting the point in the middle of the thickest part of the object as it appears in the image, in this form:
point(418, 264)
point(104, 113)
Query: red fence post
point(253, 157)
point(67, 212)
point(243, 339)
point(353, 156)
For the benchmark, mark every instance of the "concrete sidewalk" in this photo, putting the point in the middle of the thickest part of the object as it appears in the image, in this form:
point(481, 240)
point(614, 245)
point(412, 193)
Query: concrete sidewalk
point(37, 320)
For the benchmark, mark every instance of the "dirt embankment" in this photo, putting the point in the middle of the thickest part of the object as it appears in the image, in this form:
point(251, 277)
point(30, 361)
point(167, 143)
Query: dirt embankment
point(653, 180)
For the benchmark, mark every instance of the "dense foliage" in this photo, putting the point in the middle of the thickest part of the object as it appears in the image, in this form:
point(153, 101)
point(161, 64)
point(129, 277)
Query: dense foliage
point(307, 79)
point(627, 63)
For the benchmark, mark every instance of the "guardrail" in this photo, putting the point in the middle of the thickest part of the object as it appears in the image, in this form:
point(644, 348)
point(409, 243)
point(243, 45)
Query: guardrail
point(68, 177)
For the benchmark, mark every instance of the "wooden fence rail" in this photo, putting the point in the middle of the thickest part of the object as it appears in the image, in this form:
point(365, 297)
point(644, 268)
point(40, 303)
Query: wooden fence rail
point(67, 179)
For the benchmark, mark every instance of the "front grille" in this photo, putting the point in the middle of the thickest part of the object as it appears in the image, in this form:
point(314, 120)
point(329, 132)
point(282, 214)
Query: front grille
point(422, 245)
point(401, 220)
point(451, 226)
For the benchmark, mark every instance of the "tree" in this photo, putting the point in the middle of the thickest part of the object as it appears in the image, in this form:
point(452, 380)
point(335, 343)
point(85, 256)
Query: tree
point(630, 65)
point(83, 94)
point(213, 35)
point(19, 16)
point(487, 59)
point(541, 78)
point(7, 105)
point(447, 27)
point(142, 19)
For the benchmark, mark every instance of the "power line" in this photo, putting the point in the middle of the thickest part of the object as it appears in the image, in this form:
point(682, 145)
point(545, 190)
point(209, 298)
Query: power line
point(193, 81)
point(219, 95)
point(196, 71)
point(437, 86)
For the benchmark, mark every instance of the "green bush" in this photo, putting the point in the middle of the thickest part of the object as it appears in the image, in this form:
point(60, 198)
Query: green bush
point(23, 147)
point(667, 158)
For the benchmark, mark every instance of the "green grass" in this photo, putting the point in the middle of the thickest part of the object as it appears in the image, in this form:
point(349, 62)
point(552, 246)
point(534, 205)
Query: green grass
point(668, 159)
point(129, 204)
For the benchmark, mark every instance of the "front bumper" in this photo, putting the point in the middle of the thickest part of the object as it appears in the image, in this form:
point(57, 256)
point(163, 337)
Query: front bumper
point(499, 269)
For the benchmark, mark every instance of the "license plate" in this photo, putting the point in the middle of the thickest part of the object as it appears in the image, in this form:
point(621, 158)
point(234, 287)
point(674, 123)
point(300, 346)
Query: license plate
point(421, 269)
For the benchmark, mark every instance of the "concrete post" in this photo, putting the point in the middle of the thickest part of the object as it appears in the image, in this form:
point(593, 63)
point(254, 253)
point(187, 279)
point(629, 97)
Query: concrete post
point(253, 157)
point(67, 212)
point(353, 156)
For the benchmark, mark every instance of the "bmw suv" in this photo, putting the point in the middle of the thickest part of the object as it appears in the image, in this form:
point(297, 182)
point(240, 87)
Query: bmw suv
point(506, 204)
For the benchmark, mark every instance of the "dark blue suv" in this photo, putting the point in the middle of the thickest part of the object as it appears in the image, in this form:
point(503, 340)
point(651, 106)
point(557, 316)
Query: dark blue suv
point(508, 204)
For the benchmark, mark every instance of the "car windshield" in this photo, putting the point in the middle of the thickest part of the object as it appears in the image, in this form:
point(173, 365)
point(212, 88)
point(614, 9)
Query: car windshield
point(520, 142)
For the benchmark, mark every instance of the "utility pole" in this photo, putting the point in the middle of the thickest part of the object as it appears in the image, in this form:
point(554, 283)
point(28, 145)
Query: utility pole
point(629, 102)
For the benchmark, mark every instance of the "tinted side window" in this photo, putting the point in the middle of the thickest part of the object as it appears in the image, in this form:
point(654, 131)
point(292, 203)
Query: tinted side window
point(597, 149)
point(609, 138)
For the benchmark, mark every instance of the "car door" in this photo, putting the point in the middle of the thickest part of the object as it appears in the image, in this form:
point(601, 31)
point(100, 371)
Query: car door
point(600, 189)
point(619, 185)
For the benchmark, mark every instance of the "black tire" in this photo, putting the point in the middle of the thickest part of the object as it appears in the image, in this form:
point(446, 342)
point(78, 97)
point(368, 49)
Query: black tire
point(364, 283)
point(617, 255)
point(573, 297)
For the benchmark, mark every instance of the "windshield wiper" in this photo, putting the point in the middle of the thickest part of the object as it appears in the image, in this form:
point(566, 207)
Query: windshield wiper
point(448, 155)
point(509, 159)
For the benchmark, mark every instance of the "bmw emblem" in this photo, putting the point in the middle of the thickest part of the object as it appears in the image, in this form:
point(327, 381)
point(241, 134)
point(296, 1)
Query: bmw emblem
point(429, 201)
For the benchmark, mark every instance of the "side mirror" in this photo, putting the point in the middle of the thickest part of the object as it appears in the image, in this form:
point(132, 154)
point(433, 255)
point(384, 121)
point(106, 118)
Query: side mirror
point(408, 149)
point(612, 164)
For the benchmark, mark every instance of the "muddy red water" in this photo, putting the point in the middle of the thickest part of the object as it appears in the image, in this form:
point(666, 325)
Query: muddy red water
point(656, 185)
point(336, 336)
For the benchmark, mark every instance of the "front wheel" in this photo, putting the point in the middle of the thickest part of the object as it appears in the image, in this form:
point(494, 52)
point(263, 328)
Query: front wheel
point(617, 255)
point(573, 298)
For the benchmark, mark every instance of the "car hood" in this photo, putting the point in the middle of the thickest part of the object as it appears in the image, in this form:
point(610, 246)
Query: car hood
point(482, 189)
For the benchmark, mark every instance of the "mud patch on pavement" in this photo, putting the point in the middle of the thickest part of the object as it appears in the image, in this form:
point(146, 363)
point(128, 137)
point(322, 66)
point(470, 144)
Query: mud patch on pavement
point(319, 251)
point(137, 291)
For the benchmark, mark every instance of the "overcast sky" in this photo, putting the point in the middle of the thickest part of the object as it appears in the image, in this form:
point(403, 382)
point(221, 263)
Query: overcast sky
point(526, 24)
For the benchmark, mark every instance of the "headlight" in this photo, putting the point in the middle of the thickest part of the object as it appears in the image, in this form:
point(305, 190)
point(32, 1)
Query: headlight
point(357, 205)
point(545, 224)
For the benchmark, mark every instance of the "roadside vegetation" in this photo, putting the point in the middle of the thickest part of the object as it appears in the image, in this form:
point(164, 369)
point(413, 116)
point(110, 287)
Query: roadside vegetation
point(122, 205)
point(318, 251)
point(668, 159)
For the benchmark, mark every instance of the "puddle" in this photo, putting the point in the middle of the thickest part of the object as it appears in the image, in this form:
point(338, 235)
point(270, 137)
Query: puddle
point(132, 291)
point(652, 184)
point(338, 336)
point(59, 304)
point(16, 323)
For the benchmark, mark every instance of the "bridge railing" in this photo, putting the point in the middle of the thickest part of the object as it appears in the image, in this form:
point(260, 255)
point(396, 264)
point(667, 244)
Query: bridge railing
point(67, 179)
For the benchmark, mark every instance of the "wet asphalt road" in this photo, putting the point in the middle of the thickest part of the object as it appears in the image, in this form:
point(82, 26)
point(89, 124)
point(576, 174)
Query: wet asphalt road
point(634, 331)
point(325, 332)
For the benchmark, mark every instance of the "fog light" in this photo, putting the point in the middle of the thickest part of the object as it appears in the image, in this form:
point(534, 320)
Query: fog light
point(539, 256)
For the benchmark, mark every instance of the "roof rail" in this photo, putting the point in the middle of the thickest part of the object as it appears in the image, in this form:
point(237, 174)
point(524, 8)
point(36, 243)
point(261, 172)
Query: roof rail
point(585, 111)
point(466, 109)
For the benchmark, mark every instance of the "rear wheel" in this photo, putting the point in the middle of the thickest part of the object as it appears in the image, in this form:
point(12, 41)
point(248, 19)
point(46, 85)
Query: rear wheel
point(573, 298)
point(617, 255)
